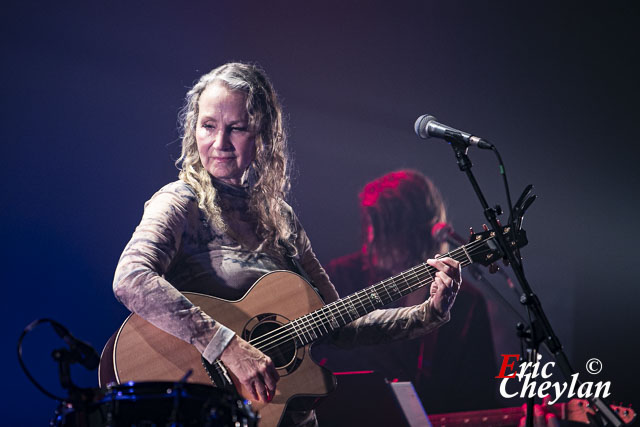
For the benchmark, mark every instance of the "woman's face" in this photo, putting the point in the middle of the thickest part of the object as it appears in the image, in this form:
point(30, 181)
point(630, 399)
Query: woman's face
point(226, 145)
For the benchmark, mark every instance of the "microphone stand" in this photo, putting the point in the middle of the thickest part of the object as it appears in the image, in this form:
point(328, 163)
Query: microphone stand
point(540, 330)
point(79, 398)
point(479, 276)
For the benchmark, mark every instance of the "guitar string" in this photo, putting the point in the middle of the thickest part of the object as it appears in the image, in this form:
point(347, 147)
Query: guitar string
point(311, 331)
point(283, 335)
point(313, 323)
point(419, 275)
point(406, 276)
point(373, 297)
point(317, 320)
point(362, 299)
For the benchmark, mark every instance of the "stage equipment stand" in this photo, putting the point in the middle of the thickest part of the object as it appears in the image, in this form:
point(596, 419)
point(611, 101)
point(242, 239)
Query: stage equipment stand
point(539, 330)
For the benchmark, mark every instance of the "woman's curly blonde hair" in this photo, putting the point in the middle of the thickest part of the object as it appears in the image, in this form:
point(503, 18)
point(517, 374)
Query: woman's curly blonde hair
point(268, 173)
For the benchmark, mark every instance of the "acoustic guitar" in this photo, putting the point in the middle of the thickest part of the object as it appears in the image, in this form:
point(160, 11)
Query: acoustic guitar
point(281, 315)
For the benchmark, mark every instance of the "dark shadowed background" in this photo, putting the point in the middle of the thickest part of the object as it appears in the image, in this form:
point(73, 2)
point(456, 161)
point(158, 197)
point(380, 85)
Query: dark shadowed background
point(90, 95)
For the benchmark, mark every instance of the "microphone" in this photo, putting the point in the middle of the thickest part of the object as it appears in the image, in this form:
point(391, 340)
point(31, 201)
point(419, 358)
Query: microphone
point(426, 126)
point(443, 232)
point(86, 354)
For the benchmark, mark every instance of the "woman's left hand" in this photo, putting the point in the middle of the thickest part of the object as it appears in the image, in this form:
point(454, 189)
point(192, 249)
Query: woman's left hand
point(446, 284)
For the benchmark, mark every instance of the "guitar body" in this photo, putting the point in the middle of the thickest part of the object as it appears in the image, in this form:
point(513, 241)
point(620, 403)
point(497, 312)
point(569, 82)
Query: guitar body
point(141, 352)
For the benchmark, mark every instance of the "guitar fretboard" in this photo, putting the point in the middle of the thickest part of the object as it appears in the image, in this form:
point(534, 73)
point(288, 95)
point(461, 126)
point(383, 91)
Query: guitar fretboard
point(310, 327)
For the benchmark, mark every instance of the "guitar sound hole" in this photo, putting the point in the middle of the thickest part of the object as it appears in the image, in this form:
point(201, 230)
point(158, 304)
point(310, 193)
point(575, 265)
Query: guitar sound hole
point(281, 349)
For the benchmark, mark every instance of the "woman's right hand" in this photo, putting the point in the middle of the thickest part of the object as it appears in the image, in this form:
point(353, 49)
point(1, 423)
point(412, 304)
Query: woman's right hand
point(254, 370)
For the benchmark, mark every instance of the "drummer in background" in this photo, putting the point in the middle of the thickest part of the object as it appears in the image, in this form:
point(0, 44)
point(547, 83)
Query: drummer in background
point(452, 369)
point(225, 223)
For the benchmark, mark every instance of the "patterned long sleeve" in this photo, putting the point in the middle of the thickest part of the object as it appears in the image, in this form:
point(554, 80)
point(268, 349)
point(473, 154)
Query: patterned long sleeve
point(139, 283)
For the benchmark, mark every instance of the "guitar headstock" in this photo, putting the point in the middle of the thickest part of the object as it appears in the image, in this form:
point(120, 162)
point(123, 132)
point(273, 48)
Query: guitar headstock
point(577, 410)
point(483, 247)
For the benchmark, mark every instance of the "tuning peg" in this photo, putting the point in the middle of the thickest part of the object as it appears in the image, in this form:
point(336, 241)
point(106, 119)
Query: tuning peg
point(471, 233)
point(484, 226)
point(498, 221)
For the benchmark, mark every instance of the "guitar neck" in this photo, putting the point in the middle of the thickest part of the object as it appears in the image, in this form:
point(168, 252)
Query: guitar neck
point(332, 316)
point(491, 417)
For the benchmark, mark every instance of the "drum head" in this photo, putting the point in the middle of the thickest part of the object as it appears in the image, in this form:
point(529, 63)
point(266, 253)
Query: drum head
point(161, 404)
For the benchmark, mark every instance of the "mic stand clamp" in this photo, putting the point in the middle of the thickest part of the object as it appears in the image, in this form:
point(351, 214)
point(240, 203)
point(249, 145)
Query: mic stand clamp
point(460, 148)
point(79, 398)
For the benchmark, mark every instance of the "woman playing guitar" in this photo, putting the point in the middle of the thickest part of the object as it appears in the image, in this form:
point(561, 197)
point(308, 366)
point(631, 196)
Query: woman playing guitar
point(224, 224)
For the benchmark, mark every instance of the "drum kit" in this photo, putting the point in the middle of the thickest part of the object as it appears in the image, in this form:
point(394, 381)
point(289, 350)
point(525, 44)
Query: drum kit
point(140, 404)
point(157, 404)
